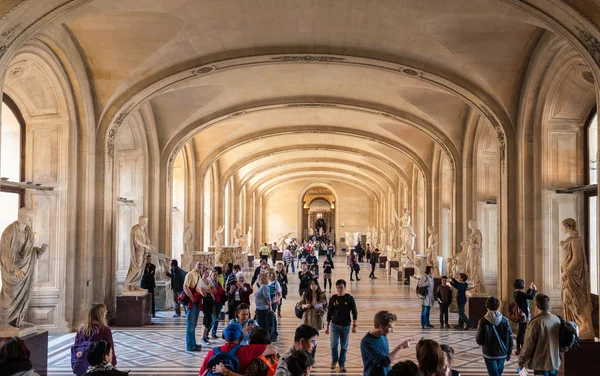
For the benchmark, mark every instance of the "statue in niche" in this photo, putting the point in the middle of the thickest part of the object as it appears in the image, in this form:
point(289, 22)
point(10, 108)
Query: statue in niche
point(370, 236)
point(473, 267)
point(432, 249)
point(393, 236)
point(18, 258)
point(237, 235)
point(375, 239)
point(188, 246)
point(219, 241)
point(139, 246)
point(352, 239)
point(575, 281)
point(383, 240)
point(249, 240)
point(407, 236)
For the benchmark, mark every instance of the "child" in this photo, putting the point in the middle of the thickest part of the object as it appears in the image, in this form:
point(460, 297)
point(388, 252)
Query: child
point(461, 285)
point(444, 297)
point(495, 337)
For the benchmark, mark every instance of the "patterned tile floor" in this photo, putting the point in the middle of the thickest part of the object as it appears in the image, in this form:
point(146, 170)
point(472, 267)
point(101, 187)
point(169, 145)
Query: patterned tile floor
point(159, 349)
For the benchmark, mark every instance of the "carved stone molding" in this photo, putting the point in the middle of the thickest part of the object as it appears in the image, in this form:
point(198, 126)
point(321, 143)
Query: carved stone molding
point(592, 45)
point(307, 58)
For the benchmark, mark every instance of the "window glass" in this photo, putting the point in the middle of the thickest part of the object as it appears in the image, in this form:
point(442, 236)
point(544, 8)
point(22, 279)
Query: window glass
point(593, 151)
point(593, 242)
point(10, 149)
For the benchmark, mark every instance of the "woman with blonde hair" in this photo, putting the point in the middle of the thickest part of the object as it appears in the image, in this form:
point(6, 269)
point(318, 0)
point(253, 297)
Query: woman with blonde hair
point(95, 328)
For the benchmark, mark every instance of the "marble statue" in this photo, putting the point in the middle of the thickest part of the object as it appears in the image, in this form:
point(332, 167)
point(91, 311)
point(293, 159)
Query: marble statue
point(284, 240)
point(370, 236)
point(188, 247)
point(249, 241)
point(458, 262)
point(311, 232)
point(139, 247)
point(575, 281)
point(375, 238)
point(383, 240)
point(219, 241)
point(473, 267)
point(352, 239)
point(432, 249)
point(393, 237)
point(407, 236)
point(237, 235)
point(18, 258)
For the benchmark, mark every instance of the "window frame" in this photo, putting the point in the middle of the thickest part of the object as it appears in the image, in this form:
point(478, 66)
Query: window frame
point(588, 194)
point(19, 116)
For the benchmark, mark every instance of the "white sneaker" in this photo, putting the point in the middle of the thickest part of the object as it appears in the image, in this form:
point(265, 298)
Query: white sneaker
point(205, 342)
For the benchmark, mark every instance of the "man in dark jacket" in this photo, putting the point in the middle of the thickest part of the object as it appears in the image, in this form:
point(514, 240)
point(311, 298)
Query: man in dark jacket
point(148, 282)
point(177, 276)
point(373, 257)
point(495, 337)
point(263, 265)
point(461, 299)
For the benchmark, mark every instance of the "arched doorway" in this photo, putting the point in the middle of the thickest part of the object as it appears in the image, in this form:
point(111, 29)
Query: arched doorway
point(318, 217)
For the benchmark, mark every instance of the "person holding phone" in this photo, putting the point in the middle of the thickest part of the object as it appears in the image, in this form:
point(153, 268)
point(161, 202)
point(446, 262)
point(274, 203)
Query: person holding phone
point(242, 313)
point(314, 305)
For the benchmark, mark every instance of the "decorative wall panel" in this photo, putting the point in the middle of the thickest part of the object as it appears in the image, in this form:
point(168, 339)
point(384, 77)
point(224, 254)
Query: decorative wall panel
point(45, 161)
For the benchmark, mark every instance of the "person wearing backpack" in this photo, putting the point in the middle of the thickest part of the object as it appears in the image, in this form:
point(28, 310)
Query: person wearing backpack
point(95, 328)
point(494, 335)
point(262, 366)
point(522, 302)
point(427, 300)
point(542, 346)
point(232, 354)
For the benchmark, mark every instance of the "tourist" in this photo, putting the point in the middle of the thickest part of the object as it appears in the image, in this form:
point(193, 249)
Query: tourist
point(444, 298)
point(283, 282)
point(375, 349)
point(219, 296)
point(313, 262)
point(521, 299)
point(288, 259)
point(276, 293)
point(94, 328)
point(242, 318)
point(354, 267)
point(177, 276)
point(300, 363)
point(14, 358)
point(234, 335)
point(259, 366)
point(426, 300)
point(373, 258)
point(331, 249)
point(431, 358)
point(461, 287)
point(494, 335)
point(274, 252)
point(341, 311)
point(233, 299)
point(541, 349)
point(314, 305)
point(99, 355)
point(368, 250)
point(192, 290)
point(327, 269)
point(405, 368)
point(208, 290)
point(263, 266)
point(305, 276)
point(263, 303)
point(305, 339)
point(264, 253)
point(239, 292)
point(449, 354)
point(147, 282)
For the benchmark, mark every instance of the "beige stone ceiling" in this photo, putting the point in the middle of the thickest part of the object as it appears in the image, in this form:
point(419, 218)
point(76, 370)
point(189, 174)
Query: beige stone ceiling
point(129, 45)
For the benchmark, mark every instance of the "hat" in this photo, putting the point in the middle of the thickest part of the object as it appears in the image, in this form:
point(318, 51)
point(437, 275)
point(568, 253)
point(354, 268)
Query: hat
point(233, 332)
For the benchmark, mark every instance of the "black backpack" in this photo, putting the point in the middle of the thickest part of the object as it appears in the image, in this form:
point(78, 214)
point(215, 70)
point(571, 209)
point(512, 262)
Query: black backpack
point(568, 336)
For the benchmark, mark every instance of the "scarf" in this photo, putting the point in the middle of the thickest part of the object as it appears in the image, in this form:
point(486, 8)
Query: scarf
point(104, 366)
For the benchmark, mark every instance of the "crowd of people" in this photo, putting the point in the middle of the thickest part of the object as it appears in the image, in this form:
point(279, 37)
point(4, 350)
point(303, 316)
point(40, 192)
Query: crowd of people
point(248, 347)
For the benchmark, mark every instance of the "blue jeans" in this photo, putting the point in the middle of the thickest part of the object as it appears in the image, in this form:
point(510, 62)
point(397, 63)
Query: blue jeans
point(273, 323)
point(425, 311)
point(339, 334)
point(216, 312)
point(495, 367)
point(462, 318)
point(545, 373)
point(191, 321)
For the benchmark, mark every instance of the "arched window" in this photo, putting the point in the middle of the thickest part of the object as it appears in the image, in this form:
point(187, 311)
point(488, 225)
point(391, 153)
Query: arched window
point(12, 151)
point(591, 198)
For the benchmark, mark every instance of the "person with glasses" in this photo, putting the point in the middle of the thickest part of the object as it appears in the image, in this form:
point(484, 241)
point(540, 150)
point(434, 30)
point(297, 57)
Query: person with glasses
point(341, 307)
point(305, 339)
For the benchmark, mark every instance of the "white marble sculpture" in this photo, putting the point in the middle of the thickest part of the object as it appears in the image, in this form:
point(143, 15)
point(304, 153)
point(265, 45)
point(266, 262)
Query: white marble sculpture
point(370, 236)
point(352, 239)
point(375, 238)
point(284, 240)
point(249, 240)
point(237, 235)
point(219, 241)
point(139, 246)
point(393, 236)
point(575, 281)
point(407, 237)
point(18, 258)
point(311, 232)
point(473, 267)
point(188, 247)
point(382, 240)
point(458, 262)
point(432, 249)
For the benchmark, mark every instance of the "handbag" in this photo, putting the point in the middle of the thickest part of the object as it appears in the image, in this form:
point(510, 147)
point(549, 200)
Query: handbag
point(183, 298)
point(298, 312)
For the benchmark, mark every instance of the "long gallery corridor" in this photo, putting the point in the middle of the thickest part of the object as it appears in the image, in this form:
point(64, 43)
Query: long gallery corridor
point(159, 349)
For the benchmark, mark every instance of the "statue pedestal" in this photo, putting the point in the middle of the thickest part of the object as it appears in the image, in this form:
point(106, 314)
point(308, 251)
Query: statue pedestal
point(396, 273)
point(389, 264)
point(163, 296)
point(134, 310)
point(229, 254)
point(250, 259)
point(382, 261)
point(407, 273)
point(37, 343)
point(206, 258)
point(476, 309)
point(579, 362)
